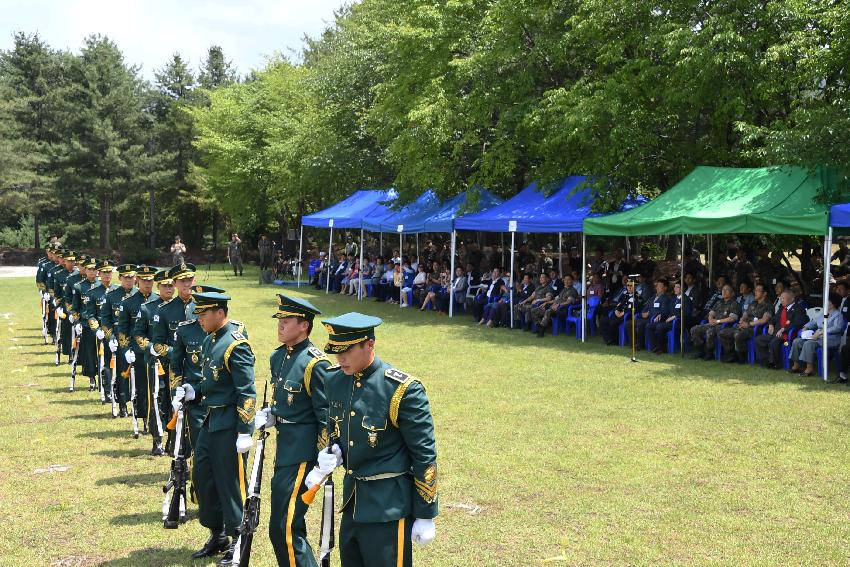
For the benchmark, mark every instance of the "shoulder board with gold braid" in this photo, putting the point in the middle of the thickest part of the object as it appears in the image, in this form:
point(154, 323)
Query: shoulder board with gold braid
point(239, 341)
point(405, 380)
point(316, 355)
point(240, 326)
point(187, 322)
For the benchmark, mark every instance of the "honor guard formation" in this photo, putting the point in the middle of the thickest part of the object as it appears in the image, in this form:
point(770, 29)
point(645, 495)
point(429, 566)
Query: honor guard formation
point(173, 361)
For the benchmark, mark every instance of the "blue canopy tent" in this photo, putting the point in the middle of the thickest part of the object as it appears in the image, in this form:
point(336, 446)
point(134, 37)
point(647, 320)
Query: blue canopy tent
point(534, 211)
point(348, 213)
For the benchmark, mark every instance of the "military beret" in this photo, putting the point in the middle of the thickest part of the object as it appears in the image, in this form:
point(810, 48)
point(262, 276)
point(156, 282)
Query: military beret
point(295, 307)
point(348, 330)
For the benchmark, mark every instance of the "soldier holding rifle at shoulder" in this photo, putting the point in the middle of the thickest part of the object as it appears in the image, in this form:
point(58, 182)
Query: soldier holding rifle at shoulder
point(87, 341)
point(92, 305)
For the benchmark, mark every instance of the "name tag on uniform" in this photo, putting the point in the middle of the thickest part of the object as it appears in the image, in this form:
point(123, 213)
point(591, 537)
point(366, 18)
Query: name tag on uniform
point(678, 306)
point(656, 304)
point(156, 318)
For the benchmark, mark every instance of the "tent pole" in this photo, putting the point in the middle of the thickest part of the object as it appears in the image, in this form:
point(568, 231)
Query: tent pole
point(330, 255)
point(401, 269)
point(300, 255)
point(452, 275)
point(682, 302)
point(511, 283)
point(710, 251)
point(561, 253)
point(360, 273)
point(417, 251)
point(827, 255)
point(381, 244)
point(583, 285)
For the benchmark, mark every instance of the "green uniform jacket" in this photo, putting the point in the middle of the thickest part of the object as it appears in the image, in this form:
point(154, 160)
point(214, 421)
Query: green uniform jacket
point(387, 437)
point(165, 321)
point(50, 279)
point(226, 388)
point(130, 310)
point(186, 356)
point(59, 277)
point(298, 402)
point(73, 278)
point(110, 310)
point(44, 265)
point(78, 301)
point(143, 327)
point(92, 303)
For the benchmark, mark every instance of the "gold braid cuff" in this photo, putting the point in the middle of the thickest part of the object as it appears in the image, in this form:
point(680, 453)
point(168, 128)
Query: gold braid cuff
point(161, 349)
point(142, 342)
point(94, 324)
point(123, 340)
point(107, 333)
point(247, 409)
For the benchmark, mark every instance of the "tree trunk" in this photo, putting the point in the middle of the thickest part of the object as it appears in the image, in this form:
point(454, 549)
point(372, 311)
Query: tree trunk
point(104, 222)
point(35, 230)
point(215, 231)
point(152, 219)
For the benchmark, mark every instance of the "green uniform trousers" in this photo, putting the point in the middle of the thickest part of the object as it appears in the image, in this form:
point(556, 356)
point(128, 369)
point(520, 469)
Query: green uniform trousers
point(385, 544)
point(156, 420)
point(218, 475)
point(88, 352)
point(141, 402)
point(287, 528)
point(122, 383)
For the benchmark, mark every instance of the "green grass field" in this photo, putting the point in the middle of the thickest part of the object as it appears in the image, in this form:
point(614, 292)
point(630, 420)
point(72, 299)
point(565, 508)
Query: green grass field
point(550, 452)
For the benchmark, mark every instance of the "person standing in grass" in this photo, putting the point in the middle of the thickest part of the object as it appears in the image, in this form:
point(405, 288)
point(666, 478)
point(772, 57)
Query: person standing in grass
point(299, 413)
point(382, 420)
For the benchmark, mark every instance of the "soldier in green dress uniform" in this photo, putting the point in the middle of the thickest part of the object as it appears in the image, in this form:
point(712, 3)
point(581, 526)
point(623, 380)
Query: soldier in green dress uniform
point(155, 389)
point(169, 314)
point(227, 393)
point(88, 343)
point(49, 270)
point(299, 411)
point(60, 276)
point(110, 311)
point(69, 295)
point(185, 360)
point(386, 446)
point(91, 310)
point(130, 310)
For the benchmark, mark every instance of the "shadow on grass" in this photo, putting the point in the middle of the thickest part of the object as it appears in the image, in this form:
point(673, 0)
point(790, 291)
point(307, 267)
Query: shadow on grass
point(123, 453)
point(152, 556)
point(75, 401)
point(138, 519)
point(141, 479)
point(120, 434)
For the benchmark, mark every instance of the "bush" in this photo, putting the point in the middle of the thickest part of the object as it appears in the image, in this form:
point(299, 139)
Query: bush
point(21, 237)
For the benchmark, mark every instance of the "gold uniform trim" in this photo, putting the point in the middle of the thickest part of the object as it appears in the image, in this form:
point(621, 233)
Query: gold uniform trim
point(308, 373)
point(160, 349)
point(400, 544)
point(174, 381)
point(348, 343)
point(94, 324)
point(247, 410)
point(230, 348)
point(395, 401)
point(143, 342)
point(428, 492)
point(123, 340)
point(281, 314)
point(291, 512)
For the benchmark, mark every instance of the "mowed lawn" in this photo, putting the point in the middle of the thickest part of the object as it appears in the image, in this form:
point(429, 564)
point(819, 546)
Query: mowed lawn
point(550, 452)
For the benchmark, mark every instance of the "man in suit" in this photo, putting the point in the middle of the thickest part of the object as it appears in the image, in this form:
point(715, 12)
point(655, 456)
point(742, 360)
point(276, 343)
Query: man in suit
point(791, 315)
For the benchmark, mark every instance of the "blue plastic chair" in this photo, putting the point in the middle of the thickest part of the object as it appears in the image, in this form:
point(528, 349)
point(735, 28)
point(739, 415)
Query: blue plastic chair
point(626, 321)
point(673, 338)
point(575, 319)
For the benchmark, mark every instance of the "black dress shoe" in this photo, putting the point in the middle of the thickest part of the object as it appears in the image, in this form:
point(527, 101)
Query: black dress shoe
point(122, 411)
point(157, 450)
point(227, 560)
point(217, 543)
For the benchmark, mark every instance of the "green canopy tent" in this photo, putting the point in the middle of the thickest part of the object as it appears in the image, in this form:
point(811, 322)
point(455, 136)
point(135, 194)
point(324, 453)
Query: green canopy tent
point(724, 200)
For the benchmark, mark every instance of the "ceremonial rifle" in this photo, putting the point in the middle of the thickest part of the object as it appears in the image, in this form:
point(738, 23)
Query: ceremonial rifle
point(112, 395)
point(326, 539)
point(58, 337)
point(154, 369)
point(251, 513)
point(101, 370)
point(174, 509)
point(75, 354)
point(132, 372)
point(44, 319)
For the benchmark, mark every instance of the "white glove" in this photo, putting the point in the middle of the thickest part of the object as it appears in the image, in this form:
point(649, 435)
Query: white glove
point(329, 461)
point(45, 296)
point(78, 328)
point(264, 418)
point(176, 402)
point(153, 351)
point(99, 334)
point(189, 391)
point(60, 312)
point(56, 302)
point(130, 356)
point(113, 345)
point(423, 531)
point(314, 477)
point(243, 443)
point(72, 318)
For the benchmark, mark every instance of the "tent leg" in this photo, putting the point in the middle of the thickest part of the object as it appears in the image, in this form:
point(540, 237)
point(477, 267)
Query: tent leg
point(502, 246)
point(682, 302)
point(360, 273)
point(511, 283)
point(710, 251)
point(400, 267)
point(330, 255)
point(300, 265)
point(417, 249)
point(451, 275)
point(381, 245)
point(560, 254)
point(827, 255)
point(583, 285)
